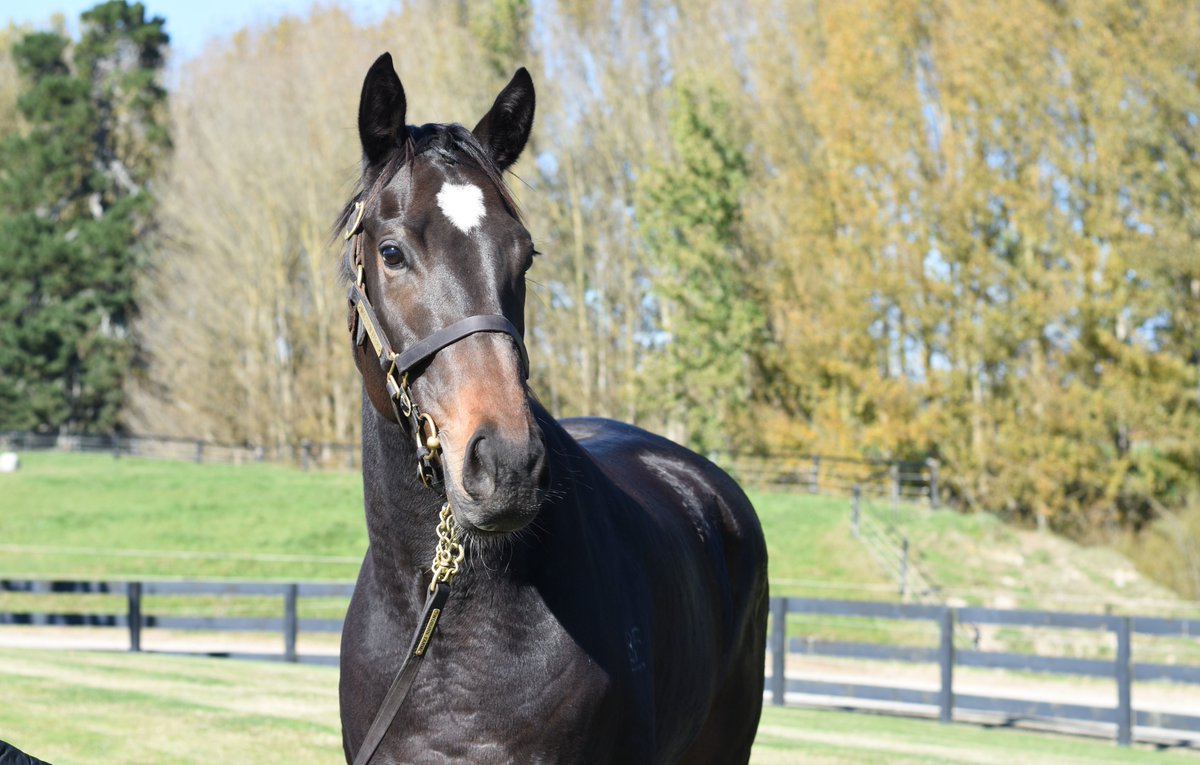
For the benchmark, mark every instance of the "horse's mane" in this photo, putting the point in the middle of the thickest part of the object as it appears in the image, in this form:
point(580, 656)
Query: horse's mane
point(454, 143)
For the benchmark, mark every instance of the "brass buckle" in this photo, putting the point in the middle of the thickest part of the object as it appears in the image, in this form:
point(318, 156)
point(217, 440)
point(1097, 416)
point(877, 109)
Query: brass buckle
point(428, 437)
point(358, 216)
point(401, 395)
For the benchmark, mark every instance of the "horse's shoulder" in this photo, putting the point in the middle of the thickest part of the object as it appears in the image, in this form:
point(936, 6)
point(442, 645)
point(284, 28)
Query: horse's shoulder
point(599, 433)
point(641, 462)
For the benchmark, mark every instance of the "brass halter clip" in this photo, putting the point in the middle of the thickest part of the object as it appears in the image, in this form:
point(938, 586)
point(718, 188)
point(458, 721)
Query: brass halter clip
point(352, 229)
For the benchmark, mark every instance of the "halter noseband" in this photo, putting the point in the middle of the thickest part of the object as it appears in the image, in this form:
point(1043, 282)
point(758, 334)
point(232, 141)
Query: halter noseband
point(397, 367)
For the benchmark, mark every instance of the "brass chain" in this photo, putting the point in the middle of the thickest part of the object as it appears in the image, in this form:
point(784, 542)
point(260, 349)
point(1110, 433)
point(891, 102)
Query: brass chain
point(449, 552)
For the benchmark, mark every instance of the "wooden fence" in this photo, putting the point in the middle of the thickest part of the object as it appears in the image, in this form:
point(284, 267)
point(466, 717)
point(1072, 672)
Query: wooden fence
point(1122, 670)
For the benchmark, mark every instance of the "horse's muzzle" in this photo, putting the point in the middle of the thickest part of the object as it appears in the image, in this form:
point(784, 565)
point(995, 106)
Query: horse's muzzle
point(504, 481)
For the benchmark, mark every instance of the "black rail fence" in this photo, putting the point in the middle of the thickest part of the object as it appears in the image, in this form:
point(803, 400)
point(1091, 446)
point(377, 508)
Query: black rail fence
point(1122, 669)
point(136, 618)
point(1127, 722)
point(813, 473)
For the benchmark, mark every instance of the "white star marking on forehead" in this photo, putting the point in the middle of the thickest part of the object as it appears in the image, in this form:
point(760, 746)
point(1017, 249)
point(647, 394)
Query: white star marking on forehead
point(462, 204)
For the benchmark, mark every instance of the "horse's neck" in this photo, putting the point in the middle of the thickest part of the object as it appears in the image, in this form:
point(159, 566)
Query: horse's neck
point(402, 514)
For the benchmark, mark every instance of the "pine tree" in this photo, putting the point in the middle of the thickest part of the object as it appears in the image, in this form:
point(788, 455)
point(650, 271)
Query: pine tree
point(710, 324)
point(74, 206)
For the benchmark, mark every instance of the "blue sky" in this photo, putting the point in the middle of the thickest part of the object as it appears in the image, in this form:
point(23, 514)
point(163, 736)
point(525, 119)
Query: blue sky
point(189, 22)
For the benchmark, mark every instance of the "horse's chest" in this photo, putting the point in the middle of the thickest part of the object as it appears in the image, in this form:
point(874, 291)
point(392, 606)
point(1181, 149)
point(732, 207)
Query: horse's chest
point(497, 691)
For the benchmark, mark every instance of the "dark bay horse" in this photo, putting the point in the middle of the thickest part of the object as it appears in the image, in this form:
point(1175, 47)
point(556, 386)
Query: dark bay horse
point(612, 604)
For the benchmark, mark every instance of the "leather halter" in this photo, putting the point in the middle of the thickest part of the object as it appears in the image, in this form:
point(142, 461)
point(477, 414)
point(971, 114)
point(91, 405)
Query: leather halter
point(397, 368)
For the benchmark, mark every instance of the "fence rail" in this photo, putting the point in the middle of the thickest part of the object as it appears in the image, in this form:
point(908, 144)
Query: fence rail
point(1122, 669)
point(135, 619)
point(823, 474)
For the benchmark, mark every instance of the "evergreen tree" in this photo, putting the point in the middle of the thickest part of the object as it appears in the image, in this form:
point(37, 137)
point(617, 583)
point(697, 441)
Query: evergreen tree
point(690, 212)
point(74, 206)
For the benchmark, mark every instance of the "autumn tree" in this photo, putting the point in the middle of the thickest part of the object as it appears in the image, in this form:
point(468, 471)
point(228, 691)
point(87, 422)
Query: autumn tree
point(971, 217)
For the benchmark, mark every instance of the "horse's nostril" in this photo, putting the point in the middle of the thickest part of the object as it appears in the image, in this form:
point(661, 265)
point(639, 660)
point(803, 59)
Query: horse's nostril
point(539, 469)
point(479, 467)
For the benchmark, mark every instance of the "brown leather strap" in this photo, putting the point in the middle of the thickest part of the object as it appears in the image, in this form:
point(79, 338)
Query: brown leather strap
point(405, 677)
point(487, 322)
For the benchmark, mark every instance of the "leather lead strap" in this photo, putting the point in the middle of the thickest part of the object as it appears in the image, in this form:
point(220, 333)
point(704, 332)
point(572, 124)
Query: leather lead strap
point(405, 677)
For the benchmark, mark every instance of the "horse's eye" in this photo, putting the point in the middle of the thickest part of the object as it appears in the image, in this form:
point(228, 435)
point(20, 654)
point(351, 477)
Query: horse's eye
point(392, 254)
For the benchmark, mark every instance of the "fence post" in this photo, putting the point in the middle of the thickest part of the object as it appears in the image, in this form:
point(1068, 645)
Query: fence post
point(133, 591)
point(291, 624)
point(199, 452)
point(894, 472)
point(778, 649)
point(1124, 682)
point(946, 661)
point(934, 500)
point(814, 479)
point(305, 454)
point(855, 504)
point(904, 568)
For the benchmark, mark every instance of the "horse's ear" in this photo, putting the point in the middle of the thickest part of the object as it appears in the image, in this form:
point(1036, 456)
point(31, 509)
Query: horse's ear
point(504, 130)
point(381, 110)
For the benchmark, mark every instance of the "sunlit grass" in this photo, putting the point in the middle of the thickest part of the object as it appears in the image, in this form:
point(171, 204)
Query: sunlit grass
point(77, 708)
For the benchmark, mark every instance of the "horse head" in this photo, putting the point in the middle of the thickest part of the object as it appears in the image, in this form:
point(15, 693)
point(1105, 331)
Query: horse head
point(437, 239)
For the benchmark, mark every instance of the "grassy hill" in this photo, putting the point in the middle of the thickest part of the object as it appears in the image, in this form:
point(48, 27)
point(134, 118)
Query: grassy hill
point(81, 515)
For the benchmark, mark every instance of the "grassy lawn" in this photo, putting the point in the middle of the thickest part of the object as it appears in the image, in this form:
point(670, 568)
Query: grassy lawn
point(93, 516)
point(151, 518)
point(89, 515)
point(76, 708)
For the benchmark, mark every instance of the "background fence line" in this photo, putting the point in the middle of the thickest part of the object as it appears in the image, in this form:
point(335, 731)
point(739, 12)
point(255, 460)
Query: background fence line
point(306, 454)
point(1122, 668)
point(897, 480)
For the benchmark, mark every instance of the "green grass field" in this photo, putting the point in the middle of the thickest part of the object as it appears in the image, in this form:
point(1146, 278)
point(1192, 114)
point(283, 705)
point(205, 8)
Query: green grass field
point(82, 515)
point(90, 516)
point(93, 516)
point(78, 708)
